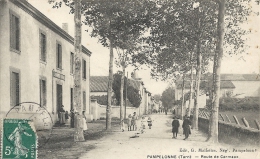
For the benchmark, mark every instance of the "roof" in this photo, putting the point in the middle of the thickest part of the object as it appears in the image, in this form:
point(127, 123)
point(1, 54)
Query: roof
point(227, 77)
point(98, 83)
point(31, 10)
point(227, 84)
point(240, 77)
point(205, 84)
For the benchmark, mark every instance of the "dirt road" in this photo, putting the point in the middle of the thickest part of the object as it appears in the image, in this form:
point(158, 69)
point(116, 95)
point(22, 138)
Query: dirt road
point(158, 143)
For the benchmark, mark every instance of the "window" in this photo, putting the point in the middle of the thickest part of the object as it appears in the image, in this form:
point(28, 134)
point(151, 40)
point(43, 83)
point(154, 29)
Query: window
point(42, 47)
point(71, 63)
point(43, 93)
point(14, 32)
point(84, 69)
point(15, 88)
point(84, 100)
point(71, 98)
point(59, 56)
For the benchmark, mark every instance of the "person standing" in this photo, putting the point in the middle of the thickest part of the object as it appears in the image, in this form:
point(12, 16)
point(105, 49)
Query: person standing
point(175, 127)
point(129, 119)
point(134, 118)
point(186, 127)
point(62, 115)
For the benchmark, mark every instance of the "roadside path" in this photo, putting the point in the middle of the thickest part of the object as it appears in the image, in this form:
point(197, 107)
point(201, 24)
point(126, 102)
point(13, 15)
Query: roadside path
point(158, 143)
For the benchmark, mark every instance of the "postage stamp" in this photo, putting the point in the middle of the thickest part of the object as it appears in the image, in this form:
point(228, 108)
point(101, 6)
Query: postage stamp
point(19, 139)
point(38, 115)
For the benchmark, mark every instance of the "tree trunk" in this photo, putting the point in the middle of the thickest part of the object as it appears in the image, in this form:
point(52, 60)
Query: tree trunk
point(122, 98)
point(109, 90)
point(78, 135)
point(213, 131)
point(197, 91)
point(191, 85)
point(183, 87)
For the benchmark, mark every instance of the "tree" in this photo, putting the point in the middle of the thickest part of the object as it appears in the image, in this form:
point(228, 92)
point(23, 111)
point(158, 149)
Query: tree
point(237, 13)
point(78, 135)
point(157, 97)
point(168, 98)
point(132, 94)
point(111, 21)
point(117, 85)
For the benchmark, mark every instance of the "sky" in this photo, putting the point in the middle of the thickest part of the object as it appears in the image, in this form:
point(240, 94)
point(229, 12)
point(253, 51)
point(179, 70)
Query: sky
point(99, 60)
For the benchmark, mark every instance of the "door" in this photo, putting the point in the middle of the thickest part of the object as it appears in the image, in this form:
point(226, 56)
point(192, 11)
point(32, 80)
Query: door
point(71, 98)
point(59, 97)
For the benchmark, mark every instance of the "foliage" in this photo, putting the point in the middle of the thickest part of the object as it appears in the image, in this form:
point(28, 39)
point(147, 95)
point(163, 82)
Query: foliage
point(116, 86)
point(157, 97)
point(248, 103)
point(102, 100)
point(187, 96)
point(132, 94)
point(168, 97)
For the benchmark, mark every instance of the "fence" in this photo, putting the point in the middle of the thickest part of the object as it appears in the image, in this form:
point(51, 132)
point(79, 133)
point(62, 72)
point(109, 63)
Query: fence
point(229, 132)
point(203, 113)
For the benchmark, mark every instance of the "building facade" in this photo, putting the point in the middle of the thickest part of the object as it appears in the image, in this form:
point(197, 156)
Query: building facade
point(36, 60)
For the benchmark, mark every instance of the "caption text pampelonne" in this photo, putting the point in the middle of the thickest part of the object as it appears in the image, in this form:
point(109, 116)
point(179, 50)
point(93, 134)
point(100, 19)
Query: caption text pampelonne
point(203, 150)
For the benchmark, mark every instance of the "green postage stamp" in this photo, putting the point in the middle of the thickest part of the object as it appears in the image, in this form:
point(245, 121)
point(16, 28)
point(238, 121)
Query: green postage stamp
point(19, 139)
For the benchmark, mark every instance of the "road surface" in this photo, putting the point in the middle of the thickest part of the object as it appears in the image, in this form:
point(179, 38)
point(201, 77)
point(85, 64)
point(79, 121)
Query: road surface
point(157, 142)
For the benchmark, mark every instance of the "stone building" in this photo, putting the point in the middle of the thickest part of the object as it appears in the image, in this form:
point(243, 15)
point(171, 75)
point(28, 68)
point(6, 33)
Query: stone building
point(36, 60)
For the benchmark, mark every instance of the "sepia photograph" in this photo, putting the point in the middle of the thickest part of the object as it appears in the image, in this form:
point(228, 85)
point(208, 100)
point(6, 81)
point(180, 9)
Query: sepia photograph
point(130, 79)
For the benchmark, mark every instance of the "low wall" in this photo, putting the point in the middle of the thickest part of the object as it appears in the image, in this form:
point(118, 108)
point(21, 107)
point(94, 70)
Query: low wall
point(115, 111)
point(232, 133)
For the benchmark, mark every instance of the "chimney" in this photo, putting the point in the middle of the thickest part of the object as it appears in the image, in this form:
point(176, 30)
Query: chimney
point(65, 27)
point(135, 75)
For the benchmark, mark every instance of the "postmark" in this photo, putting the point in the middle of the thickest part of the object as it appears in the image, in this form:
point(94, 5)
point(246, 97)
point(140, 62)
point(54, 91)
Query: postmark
point(19, 139)
point(39, 117)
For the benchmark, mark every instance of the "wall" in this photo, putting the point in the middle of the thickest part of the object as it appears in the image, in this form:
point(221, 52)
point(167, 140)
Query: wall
point(232, 133)
point(115, 111)
point(98, 93)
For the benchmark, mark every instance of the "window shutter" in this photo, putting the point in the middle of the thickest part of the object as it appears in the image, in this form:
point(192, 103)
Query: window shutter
point(17, 33)
point(60, 57)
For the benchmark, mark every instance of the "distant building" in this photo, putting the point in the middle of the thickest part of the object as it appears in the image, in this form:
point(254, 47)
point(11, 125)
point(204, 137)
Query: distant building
point(99, 86)
point(36, 58)
point(232, 85)
point(246, 85)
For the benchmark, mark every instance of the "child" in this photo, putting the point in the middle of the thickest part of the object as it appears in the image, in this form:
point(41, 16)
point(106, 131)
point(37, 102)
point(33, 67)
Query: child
point(149, 122)
point(129, 122)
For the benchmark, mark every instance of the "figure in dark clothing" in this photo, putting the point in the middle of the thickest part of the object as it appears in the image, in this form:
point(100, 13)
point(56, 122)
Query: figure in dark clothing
point(72, 118)
point(175, 127)
point(186, 127)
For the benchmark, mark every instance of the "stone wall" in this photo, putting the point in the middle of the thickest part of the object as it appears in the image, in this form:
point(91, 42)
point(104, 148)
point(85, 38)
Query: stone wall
point(232, 133)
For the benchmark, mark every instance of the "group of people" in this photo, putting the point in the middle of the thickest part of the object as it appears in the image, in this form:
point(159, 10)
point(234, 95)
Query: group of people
point(185, 125)
point(64, 117)
point(131, 122)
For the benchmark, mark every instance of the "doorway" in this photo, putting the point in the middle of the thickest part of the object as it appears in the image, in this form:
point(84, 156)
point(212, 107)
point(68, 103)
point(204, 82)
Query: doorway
point(59, 97)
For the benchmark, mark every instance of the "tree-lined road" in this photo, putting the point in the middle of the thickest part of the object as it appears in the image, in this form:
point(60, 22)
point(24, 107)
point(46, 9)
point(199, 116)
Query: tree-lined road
point(158, 143)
